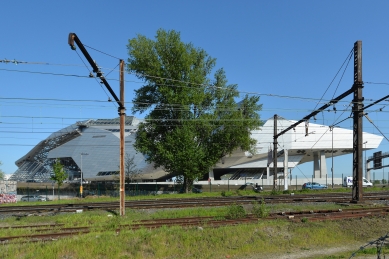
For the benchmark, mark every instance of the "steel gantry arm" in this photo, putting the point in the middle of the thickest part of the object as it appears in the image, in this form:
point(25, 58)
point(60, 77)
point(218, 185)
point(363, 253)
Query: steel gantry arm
point(121, 110)
point(306, 118)
point(73, 38)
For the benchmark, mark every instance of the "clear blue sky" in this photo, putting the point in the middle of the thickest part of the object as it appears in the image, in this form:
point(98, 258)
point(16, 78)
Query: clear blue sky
point(288, 48)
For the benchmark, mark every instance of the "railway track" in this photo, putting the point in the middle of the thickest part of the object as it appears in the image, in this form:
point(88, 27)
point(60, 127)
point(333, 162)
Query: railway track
point(56, 231)
point(191, 202)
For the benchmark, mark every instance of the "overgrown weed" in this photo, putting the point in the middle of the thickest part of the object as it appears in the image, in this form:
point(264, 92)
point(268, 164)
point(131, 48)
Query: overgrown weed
point(235, 211)
point(260, 210)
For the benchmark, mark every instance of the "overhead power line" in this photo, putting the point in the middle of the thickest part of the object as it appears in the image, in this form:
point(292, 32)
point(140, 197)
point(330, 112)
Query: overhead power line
point(320, 100)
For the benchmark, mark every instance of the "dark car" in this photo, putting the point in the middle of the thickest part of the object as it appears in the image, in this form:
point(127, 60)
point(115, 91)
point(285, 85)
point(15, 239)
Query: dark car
point(313, 185)
point(33, 198)
point(196, 190)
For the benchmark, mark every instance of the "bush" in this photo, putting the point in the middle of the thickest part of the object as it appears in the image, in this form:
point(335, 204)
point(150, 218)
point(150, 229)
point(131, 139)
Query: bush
point(227, 194)
point(260, 210)
point(235, 211)
point(275, 192)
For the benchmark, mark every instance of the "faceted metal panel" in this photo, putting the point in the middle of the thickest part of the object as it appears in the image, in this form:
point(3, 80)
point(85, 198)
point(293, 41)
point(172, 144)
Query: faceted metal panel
point(91, 145)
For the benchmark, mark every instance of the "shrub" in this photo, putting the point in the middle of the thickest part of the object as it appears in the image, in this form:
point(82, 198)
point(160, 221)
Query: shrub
point(114, 223)
point(260, 210)
point(227, 194)
point(235, 211)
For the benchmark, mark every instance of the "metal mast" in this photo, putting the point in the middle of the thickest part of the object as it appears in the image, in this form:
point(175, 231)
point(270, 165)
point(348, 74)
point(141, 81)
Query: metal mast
point(357, 124)
point(275, 143)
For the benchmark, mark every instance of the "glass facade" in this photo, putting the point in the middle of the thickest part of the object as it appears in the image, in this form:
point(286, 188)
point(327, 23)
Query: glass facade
point(90, 147)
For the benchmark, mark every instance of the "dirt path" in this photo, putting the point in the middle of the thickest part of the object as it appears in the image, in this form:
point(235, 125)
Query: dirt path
point(310, 254)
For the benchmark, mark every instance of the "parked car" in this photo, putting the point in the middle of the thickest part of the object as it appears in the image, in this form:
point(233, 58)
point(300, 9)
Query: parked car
point(313, 185)
point(196, 190)
point(33, 198)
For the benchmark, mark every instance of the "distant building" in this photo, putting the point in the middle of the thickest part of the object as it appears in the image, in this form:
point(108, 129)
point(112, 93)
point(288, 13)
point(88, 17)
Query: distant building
point(305, 143)
point(92, 146)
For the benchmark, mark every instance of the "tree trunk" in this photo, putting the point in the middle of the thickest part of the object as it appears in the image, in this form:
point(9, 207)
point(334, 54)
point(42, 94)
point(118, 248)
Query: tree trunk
point(186, 187)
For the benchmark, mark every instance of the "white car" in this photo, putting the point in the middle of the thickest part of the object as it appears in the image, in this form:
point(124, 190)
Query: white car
point(33, 198)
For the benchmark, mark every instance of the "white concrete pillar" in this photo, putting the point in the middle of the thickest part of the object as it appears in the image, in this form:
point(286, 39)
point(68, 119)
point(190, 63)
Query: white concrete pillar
point(286, 169)
point(323, 164)
point(211, 175)
point(267, 175)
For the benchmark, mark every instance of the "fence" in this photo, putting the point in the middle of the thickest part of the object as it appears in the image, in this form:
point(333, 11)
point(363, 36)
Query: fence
point(98, 189)
point(134, 189)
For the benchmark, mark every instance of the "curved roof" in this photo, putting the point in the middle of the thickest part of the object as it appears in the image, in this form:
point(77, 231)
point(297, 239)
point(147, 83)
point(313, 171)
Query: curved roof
point(299, 144)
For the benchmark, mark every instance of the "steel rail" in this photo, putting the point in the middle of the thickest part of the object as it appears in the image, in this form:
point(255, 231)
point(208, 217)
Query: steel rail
point(181, 203)
point(313, 215)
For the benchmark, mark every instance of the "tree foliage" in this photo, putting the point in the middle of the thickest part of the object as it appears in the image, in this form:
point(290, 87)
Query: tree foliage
point(2, 174)
point(59, 175)
point(193, 119)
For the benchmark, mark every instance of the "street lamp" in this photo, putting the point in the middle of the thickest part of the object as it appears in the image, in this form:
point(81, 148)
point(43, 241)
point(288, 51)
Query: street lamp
point(332, 154)
point(82, 154)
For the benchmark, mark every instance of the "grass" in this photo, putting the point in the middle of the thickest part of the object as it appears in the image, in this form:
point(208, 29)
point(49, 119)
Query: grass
point(260, 210)
point(264, 237)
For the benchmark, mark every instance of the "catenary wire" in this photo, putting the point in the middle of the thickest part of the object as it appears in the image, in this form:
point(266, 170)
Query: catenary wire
point(47, 63)
point(334, 78)
point(90, 72)
point(241, 92)
point(102, 52)
point(168, 79)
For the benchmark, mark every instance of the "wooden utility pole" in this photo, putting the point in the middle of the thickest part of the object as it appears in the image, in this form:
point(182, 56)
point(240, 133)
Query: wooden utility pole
point(121, 110)
point(357, 124)
point(122, 115)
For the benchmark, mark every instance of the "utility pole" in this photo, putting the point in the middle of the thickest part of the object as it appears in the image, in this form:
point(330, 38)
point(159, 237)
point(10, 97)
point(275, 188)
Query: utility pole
point(122, 115)
point(275, 152)
point(357, 128)
point(357, 195)
point(121, 109)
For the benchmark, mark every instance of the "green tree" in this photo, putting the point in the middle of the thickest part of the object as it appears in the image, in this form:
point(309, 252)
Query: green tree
point(131, 172)
point(59, 174)
point(193, 121)
point(2, 174)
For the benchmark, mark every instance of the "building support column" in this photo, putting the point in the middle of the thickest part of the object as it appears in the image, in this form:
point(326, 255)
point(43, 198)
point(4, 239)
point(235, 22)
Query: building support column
point(211, 176)
point(323, 164)
point(285, 169)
